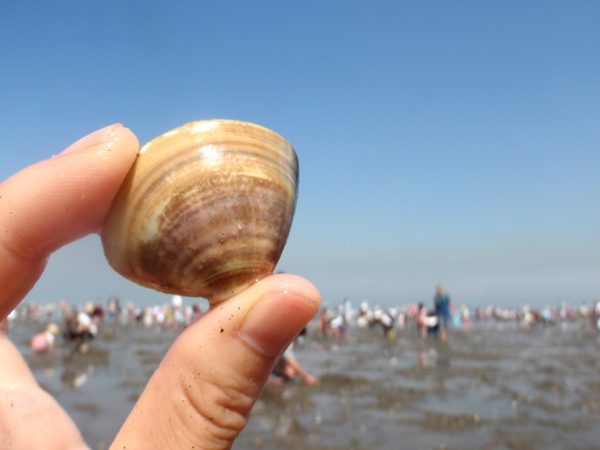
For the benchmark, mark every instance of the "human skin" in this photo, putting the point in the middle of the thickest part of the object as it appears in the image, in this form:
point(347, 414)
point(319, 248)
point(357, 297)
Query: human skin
point(203, 390)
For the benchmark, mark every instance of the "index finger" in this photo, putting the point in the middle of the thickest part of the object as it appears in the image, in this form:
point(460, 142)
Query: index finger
point(57, 201)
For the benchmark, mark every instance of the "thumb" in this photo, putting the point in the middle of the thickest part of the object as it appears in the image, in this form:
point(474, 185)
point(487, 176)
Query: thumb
point(202, 392)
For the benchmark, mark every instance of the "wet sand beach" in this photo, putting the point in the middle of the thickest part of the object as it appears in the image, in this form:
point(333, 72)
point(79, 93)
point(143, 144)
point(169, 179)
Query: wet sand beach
point(498, 386)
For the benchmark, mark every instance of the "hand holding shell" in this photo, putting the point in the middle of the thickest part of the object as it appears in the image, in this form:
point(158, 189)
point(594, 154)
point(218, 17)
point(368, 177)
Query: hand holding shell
point(205, 210)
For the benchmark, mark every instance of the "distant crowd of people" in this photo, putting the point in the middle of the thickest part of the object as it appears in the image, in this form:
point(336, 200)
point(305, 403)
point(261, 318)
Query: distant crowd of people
point(443, 315)
point(81, 324)
point(432, 321)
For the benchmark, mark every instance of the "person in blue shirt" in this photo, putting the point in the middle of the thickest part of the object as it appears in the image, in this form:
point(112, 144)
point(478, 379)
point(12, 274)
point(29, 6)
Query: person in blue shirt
point(441, 302)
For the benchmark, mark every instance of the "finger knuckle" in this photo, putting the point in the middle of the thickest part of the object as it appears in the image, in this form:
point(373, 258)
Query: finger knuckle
point(218, 403)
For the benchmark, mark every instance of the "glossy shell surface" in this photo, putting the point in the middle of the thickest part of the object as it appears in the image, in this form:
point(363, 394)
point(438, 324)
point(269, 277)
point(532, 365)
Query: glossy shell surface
point(205, 210)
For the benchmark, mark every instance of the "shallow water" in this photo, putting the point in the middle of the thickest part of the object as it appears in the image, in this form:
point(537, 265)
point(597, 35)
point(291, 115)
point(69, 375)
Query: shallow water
point(495, 387)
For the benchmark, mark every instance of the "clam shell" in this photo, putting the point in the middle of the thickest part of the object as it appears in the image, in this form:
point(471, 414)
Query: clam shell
point(205, 210)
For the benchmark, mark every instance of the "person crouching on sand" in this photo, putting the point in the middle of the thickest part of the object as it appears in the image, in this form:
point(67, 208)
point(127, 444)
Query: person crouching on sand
point(44, 342)
point(288, 367)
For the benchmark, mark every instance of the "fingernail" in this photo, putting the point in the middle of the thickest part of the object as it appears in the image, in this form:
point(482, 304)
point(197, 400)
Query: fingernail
point(94, 138)
point(274, 321)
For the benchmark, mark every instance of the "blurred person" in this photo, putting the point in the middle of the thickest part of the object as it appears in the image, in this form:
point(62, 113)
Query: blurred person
point(288, 367)
point(441, 302)
point(337, 326)
point(45, 341)
point(432, 322)
point(324, 320)
point(386, 321)
point(466, 317)
point(196, 313)
point(364, 315)
point(421, 318)
point(80, 326)
point(456, 315)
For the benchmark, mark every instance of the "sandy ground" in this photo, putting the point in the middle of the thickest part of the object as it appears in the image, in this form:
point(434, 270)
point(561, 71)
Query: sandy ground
point(497, 386)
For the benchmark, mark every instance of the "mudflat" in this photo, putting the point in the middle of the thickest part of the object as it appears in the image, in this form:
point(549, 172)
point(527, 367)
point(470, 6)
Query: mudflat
point(496, 386)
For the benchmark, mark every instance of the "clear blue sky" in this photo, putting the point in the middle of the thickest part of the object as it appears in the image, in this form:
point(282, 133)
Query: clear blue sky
point(439, 141)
